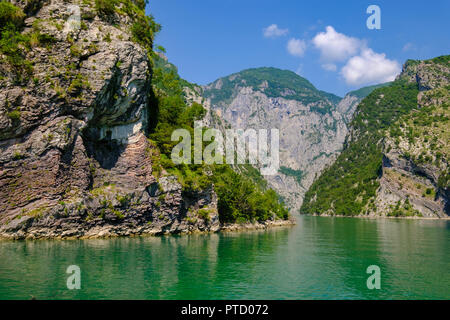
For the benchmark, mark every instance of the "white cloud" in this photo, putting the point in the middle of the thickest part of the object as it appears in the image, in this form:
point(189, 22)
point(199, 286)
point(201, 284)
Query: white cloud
point(370, 67)
point(296, 47)
point(335, 46)
point(329, 66)
point(362, 64)
point(273, 31)
point(299, 70)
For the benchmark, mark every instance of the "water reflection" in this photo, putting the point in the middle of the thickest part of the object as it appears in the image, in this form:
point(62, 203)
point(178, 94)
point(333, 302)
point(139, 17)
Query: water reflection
point(320, 258)
point(416, 263)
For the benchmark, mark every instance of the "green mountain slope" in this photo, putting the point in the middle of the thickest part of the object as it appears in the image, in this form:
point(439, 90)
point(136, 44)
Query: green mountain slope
point(274, 82)
point(365, 91)
point(393, 123)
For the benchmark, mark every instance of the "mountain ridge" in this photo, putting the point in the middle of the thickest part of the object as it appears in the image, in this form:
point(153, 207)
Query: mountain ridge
point(312, 123)
point(274, 82)
point(395, 158)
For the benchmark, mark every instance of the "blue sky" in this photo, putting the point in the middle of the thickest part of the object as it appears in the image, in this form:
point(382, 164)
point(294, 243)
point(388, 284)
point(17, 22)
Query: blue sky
point(326, 42)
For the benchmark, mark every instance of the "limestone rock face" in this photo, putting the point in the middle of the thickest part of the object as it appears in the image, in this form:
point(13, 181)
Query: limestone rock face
point(416, 169)
point(347, 106)
point(74, 156)
point(308, 140)
point(312, 124)
point(403, 180)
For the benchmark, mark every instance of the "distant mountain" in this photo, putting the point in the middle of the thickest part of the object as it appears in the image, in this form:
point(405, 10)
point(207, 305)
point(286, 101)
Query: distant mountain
point(273, 82)
point(351, 100)
point(312, 123)
point(364, 92)
point(396, 158)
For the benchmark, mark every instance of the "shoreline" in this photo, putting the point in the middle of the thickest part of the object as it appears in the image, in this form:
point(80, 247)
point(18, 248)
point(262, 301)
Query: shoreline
point(224, 228)
point(377, 217)
point(232, 227)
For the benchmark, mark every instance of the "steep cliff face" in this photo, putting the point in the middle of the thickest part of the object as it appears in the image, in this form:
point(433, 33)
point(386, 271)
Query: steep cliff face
point(395, 160)
point(415, 173)
point(312, 123)
point(74, 156)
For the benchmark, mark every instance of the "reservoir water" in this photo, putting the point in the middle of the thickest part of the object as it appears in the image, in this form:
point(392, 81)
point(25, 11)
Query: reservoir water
point(319, 258)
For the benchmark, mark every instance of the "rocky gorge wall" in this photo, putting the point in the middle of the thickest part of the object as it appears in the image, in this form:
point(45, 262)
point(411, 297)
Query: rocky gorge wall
point(415, 170)
point(75, 160)
point(395, 158)
point(311, 135)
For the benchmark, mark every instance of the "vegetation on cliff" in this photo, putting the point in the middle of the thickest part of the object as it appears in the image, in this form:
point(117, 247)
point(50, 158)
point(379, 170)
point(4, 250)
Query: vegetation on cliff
point(397, 122)
point(94, 109)
point(423, 135)
point(143, 27)
point(14, 44)
point(273, 82)
point(365, 91)
point(347, 186)
point(240, 199)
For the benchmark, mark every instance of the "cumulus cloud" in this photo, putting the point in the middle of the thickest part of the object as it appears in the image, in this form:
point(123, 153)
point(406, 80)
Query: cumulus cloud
point(335, 46)
point(273, 31)
point(370, 67)
point(296, 47)
point(362, 64)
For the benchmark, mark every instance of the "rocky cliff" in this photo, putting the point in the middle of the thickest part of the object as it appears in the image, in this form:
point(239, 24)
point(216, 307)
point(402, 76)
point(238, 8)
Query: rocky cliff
point(74, 156)
point(415, 171)
point(396, 156)
point(312, 123)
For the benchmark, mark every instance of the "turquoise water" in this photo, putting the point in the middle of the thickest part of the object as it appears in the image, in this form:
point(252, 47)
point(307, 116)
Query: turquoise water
point(319, 258)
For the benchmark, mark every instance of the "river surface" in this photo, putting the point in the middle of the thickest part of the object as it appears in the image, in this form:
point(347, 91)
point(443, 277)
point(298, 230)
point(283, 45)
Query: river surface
point(319, 258)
